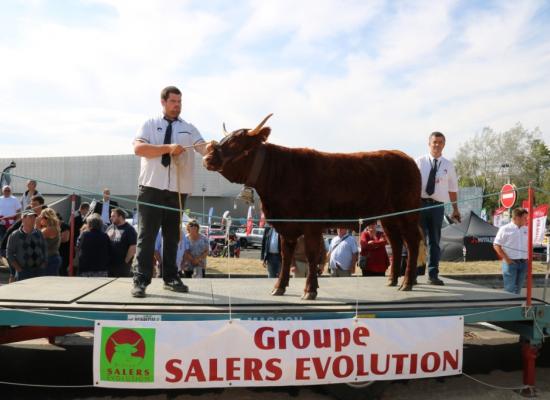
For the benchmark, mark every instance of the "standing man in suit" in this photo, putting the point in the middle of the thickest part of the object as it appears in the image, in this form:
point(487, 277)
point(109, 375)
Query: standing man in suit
point(105, 206)
point(271, 252)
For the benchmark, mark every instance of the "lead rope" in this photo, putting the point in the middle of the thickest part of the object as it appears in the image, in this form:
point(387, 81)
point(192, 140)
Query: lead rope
point(180, 212)
point(356, 278)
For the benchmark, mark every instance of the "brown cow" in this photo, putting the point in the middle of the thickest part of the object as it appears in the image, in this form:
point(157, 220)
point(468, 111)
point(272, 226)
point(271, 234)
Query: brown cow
point(304, 191)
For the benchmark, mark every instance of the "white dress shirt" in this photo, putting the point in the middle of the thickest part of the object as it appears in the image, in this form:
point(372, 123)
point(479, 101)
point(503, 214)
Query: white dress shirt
point(445, 179)
point(513, 240)
point(152, 172)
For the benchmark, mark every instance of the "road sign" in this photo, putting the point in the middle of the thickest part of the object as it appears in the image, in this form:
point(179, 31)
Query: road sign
point(508, 195)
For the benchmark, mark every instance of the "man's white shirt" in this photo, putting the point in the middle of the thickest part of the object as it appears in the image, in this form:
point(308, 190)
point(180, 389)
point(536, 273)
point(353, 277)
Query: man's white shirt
point(513, 240)
point(445, 179)
point(152, 172)
point(9, 206)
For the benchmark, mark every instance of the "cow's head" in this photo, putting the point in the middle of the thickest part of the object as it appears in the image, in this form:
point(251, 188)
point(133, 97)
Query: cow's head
point(232, 157)
point(125, 349)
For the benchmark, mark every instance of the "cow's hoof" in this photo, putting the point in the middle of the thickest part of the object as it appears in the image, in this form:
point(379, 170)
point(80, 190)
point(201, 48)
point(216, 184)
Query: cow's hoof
point(278, 292)
point(391, 283)
point(309, 296)
point(405, 288)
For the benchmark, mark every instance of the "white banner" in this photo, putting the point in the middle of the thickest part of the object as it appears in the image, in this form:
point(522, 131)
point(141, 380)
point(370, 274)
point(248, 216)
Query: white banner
point(133, 354)
point(539, 223)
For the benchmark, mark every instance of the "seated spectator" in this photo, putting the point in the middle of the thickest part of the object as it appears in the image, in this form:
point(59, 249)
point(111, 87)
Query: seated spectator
point(374, 259)
point(95, 248)
point(27, 252)
point(342, 254)
point(123, 238)
point(234, 246)
point(49, 225)
point(194, 258)
point(9, 210)
point(37, 205)
point(299, 261)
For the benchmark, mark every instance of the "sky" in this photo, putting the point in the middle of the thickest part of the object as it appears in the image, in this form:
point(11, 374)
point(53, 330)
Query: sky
point(79, 77)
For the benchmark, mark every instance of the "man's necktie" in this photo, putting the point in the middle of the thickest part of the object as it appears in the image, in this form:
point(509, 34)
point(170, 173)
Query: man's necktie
point(430, 187)
point(167, 140)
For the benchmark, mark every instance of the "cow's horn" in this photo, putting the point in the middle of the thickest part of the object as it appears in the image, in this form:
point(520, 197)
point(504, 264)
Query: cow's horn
point(256, 130)
point(136, 343)
point(114, 341)
point(225, 133)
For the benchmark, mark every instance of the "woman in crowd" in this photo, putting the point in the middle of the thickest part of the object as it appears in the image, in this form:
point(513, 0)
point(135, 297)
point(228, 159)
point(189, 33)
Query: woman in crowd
point(373, 259)
point(194, 258)
point(94, 247)
point(49, 225)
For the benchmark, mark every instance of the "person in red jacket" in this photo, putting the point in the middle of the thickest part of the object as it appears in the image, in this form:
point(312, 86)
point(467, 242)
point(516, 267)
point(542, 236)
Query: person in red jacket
point(373, 258)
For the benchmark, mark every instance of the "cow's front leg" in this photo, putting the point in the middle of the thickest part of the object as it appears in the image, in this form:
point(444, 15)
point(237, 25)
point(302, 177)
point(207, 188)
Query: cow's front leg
point(315, 252)
point(287, 251)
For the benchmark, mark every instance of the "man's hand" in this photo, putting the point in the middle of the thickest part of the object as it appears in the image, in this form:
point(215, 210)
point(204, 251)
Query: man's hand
point(176, 149)
point(456, 216)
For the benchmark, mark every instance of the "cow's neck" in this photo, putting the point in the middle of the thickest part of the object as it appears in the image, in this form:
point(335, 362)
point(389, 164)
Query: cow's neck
point(257, 164)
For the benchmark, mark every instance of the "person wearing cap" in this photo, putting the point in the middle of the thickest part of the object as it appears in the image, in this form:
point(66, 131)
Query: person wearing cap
point(9, 210)
point(165, 179)
point(27, 252)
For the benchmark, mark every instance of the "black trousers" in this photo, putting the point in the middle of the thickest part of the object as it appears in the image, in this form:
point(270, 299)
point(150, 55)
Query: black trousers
point(150, 220)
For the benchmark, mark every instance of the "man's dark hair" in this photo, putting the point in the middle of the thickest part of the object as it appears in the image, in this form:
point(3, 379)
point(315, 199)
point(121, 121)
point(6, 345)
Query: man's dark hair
point(519, 212)
point(167, 90)
point(38, 198)
point(437, 134)
point(84, 205)
point(120, 212)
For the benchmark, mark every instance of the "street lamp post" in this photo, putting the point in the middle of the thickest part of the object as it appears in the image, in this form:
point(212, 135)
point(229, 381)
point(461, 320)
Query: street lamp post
point(203, 188)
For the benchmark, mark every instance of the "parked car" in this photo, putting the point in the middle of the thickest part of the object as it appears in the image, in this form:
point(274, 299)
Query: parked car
point(252, 240)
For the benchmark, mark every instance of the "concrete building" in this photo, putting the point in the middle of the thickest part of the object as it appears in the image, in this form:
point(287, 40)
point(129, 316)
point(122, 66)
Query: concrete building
point(86, 176)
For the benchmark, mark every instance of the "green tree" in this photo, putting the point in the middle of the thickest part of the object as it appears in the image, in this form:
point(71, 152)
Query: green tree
point(490, 159)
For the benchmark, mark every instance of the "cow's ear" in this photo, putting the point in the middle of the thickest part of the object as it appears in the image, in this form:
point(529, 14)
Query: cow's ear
point(264, 133)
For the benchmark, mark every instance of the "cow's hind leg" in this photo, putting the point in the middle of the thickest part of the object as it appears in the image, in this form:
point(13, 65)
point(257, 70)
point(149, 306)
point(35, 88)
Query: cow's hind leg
point(313, 246)
point(411, 236)
point(287, 251)
point(393, 234)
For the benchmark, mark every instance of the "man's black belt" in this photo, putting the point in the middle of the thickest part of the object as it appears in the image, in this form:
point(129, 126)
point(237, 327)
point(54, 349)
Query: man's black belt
point(519, 260)
point(431, 201)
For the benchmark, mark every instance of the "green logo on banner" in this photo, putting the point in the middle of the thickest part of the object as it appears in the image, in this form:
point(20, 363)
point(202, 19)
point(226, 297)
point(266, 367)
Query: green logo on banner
point(127, 355)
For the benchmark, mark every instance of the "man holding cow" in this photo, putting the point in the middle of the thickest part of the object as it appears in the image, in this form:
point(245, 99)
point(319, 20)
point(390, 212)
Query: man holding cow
point(439, 185)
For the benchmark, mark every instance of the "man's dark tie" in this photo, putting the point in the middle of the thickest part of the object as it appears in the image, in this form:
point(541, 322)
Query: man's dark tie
point(430, 187)
point(167, 140)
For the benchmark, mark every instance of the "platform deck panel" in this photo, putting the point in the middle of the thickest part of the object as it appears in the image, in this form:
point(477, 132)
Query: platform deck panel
point(52, 289)
point(244, 292)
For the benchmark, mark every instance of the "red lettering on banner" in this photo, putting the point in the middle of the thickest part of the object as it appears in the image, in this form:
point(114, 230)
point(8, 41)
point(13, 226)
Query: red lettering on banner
point(273, 366)
point(320, 342)
point(282, 339)
point(450, 359)
point(213, 370)
point(258, 336)
point(195, 371)
point(320, 369)
point(338, 361)
point(399, 358)
point(252, 367)
point(341, 339)
point(361, 370)
point(435, 360)
point(414, 362)
point(172, 367)
point(358, 333)
point(231, 368)
point(300, 339)
point(301, 369)
point(375, 367)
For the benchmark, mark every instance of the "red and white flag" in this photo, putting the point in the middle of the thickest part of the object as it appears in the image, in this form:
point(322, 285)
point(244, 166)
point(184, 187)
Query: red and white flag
point(262, 220)
point(249, 221)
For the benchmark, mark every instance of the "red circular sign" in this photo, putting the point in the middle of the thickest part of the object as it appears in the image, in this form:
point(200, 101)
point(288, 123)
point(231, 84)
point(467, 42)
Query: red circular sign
point(508, 195)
